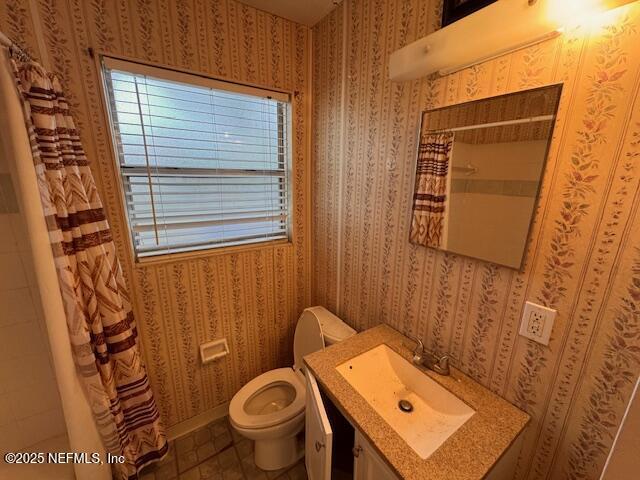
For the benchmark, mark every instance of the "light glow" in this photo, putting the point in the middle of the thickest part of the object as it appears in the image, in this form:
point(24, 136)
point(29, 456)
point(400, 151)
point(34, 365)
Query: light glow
point(566, 12)
point(586, 13)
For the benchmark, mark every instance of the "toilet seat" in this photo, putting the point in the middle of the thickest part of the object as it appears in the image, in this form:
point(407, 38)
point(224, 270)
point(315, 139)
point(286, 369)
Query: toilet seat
point(242, 419)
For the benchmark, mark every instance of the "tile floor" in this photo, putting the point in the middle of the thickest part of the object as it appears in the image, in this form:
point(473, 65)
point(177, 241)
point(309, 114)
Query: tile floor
point(215, 452)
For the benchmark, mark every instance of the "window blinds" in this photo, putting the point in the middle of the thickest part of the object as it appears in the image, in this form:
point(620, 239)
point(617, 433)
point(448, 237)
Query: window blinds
point(203, 163)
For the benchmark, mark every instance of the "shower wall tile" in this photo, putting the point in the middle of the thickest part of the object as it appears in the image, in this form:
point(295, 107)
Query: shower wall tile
point(17, 306)
point(6, 413)
point(37, 402)
point(19, 374)
point(7, 242)
point(12, 273)
point(30, 409)
point(29, 400)
point(10, 436)
point(8, 200)
point(21, 339)
point(19, 232)
point(21, 434)
point(42, 426)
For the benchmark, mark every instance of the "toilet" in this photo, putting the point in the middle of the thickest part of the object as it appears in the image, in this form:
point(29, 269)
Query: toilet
point(270, 408)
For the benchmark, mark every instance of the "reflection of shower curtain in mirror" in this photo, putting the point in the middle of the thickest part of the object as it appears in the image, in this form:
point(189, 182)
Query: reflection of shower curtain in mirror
point(427, 223)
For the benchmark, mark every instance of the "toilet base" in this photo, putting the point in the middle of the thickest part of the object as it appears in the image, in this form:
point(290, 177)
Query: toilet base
point(277, 453)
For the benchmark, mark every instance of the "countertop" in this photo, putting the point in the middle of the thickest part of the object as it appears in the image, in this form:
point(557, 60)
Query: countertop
point(468, 454)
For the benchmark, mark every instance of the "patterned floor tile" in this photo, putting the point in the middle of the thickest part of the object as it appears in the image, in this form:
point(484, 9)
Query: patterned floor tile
point(251, 472)
point(166, 469)
point(228, 458)
point(298, 472)
point(185, 443)
point(234, 472)
point(223, 441)
point(210, 469)
point(245, 448)
point(215, 452)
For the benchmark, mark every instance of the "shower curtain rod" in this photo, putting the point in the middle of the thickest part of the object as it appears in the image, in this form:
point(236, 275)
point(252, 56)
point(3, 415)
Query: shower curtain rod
point(14, 48)
point(540, 118)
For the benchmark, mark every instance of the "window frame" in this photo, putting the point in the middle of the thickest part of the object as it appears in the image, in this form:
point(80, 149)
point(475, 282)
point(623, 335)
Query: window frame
point(164, 72)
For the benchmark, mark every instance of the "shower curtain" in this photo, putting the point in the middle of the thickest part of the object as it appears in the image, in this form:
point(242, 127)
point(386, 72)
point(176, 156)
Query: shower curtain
point(100, 324)
point(430, 194)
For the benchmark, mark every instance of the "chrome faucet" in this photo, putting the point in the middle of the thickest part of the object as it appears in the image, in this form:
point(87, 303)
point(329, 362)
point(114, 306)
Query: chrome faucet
point(430, 360)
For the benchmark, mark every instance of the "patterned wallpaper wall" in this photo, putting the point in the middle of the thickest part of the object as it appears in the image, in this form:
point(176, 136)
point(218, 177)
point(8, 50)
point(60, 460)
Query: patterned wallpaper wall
point(251, 296)
point(584, 255)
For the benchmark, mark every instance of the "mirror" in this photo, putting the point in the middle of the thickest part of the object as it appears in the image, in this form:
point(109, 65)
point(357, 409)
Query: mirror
point(478, 174)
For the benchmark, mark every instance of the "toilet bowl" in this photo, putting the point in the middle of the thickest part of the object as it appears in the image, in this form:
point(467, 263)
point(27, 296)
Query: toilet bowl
point(270, 408)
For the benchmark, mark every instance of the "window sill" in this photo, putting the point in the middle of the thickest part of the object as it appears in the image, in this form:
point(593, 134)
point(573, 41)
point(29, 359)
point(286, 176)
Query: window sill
point(211, 252)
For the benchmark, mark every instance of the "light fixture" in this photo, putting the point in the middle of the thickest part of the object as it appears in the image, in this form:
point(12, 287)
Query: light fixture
point(501, 27)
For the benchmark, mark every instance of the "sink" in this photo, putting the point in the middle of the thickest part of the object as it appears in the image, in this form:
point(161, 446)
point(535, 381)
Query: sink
point(419, 409)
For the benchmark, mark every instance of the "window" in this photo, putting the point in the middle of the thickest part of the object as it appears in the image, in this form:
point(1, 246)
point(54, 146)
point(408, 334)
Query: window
point(203, 163)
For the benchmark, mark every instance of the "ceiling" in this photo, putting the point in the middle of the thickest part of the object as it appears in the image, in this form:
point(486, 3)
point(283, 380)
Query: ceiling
point(306, 12)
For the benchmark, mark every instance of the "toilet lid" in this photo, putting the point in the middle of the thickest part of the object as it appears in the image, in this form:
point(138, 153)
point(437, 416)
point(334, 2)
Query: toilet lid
point(307, 339)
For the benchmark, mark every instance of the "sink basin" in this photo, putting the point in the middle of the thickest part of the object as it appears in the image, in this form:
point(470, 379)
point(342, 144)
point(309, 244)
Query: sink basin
point(420, 410)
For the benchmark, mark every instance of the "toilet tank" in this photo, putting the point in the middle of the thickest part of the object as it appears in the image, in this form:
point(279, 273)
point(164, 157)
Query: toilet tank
point(317, 327)
point(333, 328)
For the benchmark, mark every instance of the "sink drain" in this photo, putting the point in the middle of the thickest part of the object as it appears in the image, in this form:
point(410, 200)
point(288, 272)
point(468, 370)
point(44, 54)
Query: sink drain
point(405, 406)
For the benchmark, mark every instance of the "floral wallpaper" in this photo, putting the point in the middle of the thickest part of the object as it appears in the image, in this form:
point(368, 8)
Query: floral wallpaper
point(251, 296)
point(583, 257)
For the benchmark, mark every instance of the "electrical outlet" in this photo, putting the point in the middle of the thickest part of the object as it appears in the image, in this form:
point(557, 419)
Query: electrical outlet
point(537, 322)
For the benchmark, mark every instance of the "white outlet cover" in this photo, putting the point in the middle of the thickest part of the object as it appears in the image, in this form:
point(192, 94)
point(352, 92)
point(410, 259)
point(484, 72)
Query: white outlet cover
point(537, 322)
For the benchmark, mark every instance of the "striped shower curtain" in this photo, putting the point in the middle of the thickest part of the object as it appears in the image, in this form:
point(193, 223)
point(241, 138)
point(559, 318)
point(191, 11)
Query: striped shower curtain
point(430, 194)
point(101, 327)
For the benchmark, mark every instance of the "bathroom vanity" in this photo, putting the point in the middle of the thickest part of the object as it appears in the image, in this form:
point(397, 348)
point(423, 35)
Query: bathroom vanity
point(403, 421)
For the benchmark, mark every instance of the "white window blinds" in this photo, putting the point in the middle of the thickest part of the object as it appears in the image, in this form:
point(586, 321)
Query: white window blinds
point(203, 163)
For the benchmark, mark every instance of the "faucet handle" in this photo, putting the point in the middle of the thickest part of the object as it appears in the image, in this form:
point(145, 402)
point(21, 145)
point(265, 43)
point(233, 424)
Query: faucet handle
point(418, 352)
point(443, 362)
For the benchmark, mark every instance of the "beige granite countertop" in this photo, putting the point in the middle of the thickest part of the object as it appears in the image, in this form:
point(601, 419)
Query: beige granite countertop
point(468, 454)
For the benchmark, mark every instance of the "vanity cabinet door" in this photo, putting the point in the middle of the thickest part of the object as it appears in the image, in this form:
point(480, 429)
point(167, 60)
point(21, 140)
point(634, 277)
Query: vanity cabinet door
point(318, 434)
point(367, 463)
